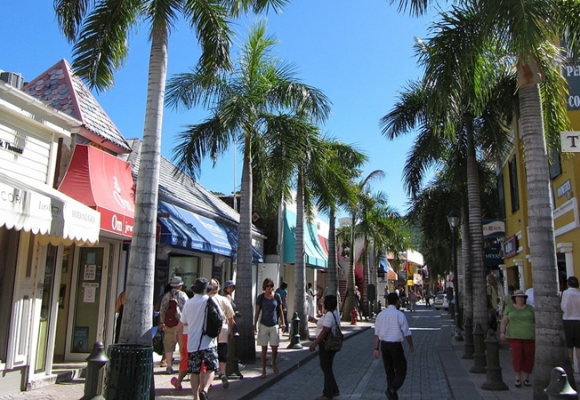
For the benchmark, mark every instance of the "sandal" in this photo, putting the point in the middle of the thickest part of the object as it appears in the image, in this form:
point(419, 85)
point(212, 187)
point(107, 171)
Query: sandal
point(163, 364)
point(527, 383)
point(175, 383)
point(518, 383)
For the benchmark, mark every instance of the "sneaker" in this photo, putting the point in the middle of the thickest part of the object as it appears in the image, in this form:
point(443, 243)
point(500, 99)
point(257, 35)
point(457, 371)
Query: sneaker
point(225, 382)
point(169, 370)
point(241, 366)
point(203, 395)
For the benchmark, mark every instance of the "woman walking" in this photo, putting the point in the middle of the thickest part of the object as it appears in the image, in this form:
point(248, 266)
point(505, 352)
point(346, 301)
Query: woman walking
point(268, 310)
point(329, 321)
point(518, 319)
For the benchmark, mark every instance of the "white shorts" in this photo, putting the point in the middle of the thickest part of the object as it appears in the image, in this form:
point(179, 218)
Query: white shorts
point(268, 334)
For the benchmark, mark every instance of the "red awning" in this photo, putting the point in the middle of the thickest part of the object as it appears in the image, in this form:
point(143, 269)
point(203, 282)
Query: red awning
point(323, 243)
point(104, 183)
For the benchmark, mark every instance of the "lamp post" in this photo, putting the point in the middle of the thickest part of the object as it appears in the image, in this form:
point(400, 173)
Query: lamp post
point(453, 220)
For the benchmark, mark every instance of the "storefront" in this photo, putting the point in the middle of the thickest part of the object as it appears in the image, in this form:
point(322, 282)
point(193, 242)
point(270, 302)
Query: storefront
point(37, 223)
point(104, 183)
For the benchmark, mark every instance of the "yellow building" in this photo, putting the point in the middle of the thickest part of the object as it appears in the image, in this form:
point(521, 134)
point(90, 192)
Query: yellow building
point(565, 184)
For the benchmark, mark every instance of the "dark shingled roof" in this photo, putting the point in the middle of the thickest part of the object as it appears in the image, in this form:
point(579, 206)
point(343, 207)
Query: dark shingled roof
point(61, 89)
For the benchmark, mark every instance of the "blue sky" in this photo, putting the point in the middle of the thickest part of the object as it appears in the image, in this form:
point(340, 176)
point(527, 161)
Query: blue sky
point(359, 53)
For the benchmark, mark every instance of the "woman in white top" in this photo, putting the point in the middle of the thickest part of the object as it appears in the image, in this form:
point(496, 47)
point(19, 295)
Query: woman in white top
point(324, 324)
point(310, 302)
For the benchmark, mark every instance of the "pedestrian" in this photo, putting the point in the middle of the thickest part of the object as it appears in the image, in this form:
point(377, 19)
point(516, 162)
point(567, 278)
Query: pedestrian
point(268, 311)
point(357, 302)
point(391, 328)
point(309, 301)
point(119, 306)
point(319, 300)
point(202, 350)
point(507, 300)
point(492, 301)
point(169, 317)
point(227, 329)
point(571, 307)
point(427, 299)
point(519, 320)
point(157, 319)
point(413, 300)
point(386, 293)
point(530, 294)
point(282, 291)
point(324, 326)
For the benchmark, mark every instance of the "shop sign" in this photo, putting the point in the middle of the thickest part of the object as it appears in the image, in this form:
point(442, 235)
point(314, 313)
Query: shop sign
point(510, 247)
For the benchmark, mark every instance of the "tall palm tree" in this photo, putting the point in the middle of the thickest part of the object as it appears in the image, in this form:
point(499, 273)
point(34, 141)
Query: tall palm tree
point(99, 30)
point(260, 101)
point(360, 189)
point(527, 29)
point(332, 190)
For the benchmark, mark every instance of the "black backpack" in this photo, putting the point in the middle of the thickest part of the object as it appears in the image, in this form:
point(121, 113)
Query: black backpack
point(214, 319)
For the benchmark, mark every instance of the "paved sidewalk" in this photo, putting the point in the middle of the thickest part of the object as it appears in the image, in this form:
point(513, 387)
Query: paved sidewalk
point(436, 370)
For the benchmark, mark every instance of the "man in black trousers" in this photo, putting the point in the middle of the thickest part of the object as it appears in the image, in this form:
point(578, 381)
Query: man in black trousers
point(391, 328)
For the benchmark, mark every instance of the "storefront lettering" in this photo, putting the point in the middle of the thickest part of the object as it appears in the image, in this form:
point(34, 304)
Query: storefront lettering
point(11, 147)
point(125, 204)
point(11, 197)
point(116, 224)
point(83, 216)
point(54, 210)
point(128, 228)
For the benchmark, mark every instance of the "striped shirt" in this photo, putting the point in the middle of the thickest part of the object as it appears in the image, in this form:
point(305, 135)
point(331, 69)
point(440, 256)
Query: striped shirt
point(391, 325)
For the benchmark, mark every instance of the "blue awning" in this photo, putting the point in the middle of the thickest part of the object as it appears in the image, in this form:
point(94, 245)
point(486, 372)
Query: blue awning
point(187, 229)
point(315, 255)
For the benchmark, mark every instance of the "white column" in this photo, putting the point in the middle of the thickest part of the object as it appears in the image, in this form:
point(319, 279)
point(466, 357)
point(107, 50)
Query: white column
point(520, 264)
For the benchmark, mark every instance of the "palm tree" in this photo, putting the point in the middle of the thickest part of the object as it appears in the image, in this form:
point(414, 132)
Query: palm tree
point(360, 189)
point(332, 189)
point(99, 31)
point(259, 102)
point(527, 29)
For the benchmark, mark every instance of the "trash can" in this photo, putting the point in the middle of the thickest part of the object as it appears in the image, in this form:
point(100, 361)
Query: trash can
point(129, 372)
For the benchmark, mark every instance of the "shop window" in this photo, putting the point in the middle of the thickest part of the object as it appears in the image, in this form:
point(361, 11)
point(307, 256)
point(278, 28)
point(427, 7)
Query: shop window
point(187, 267)
point(501, 195)
point(514, 190)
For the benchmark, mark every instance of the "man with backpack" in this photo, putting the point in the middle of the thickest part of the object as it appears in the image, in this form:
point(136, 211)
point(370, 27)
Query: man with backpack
point(227, 329)
point(169, 317)
point(202, 319)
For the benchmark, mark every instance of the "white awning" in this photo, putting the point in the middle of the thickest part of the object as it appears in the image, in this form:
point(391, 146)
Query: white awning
point(42, 210)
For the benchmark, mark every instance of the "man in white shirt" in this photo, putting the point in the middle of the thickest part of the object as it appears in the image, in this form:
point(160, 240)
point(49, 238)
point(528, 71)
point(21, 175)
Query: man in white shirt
point(203, 358)
point(391, 328)
point(571, 307)
point(530, 294)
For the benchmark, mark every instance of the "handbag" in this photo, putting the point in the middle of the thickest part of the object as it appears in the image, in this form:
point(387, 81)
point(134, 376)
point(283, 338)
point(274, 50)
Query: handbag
point(333, 342)
point(158, 342)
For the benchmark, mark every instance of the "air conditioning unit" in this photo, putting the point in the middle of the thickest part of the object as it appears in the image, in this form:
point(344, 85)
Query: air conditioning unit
point(13, 79)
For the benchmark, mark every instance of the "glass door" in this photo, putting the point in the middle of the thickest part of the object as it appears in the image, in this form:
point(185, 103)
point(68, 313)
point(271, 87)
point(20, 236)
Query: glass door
point(88, 301)
point(45, 308)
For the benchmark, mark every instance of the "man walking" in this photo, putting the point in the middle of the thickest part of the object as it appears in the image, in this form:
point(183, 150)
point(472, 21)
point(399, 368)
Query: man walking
point(169, 317)
point(571, 307)
point(391, 327)
point(203, 358)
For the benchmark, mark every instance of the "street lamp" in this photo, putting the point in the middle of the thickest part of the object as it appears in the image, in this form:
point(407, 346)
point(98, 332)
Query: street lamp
point(453, 219)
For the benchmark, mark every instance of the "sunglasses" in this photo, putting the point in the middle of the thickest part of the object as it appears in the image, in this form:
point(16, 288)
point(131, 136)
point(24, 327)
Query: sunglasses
point(270, 286)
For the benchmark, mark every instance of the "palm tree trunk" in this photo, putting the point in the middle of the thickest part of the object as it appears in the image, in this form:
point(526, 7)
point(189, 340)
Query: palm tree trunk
point(244, 281)
point(349, 301)
point(300, 267)
point(138, 311)
point(476, 232)
point(467, 268)
point(332, 262)
point(550, 344)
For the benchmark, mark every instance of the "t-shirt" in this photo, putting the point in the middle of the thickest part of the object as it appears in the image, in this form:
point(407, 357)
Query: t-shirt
point(227, 310)
point(268, 307)
point(521, 322)
point(193, 315)
point(571, 304)
point(327, 320)
point(282, 293)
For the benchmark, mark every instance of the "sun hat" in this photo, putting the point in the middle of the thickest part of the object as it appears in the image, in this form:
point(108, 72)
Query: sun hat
point(229, 283)
point(519, 293)
point(200, 286)
point(176, 281)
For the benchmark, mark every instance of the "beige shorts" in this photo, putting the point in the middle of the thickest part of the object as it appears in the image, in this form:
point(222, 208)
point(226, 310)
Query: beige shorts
point(268, 334)
point(169, 341)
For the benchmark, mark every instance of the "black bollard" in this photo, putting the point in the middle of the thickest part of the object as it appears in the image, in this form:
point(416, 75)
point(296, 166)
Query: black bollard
point(478, 351)
point(295, 333)
point(233, 362)
point(493, 378)
point(94, 381)
point(559, 388)
point(468, 348)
